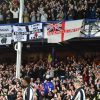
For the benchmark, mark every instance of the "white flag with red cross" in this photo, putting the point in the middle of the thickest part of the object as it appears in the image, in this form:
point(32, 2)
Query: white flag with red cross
point(59, 32)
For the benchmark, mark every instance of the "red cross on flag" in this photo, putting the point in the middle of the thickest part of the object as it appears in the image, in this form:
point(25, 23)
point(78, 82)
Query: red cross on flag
point(59, 32)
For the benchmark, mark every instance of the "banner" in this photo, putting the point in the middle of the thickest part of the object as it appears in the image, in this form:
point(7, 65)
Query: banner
point(72, 29)
point(35, 26)
point(5, 34)
point(17, 38)
point(5, 40)
point(19, 33)
point(35, 35)
point(19, 29)
point(58, 32)
point(5, 29)
point(36, 31)
point(53, 32)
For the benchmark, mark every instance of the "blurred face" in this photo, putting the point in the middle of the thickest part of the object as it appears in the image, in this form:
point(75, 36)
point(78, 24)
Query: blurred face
point(57, 83)
point(63, 87)
point(69, 92)
point(15, 10)
point(57, 78)
point(92, 86)
point(19, 94)
point(31, 79)
point(76, 85)
point(71, 87)
point(41, 6)
point(54, 79)
point(80, 78)
point(24, 83)
point(42, 93)
point(1, 97)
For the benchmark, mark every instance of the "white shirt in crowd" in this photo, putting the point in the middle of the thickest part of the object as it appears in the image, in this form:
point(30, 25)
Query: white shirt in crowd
point(44, 17)
point(33, 16)
point(51, 73)
point(15, 13)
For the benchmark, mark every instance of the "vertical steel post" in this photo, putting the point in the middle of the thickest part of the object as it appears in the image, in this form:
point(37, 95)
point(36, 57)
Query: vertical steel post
point(18, 45)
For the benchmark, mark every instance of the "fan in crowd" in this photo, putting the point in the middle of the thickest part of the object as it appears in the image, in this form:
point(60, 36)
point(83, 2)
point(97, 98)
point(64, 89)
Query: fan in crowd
point(61, 80)
point(49, 10)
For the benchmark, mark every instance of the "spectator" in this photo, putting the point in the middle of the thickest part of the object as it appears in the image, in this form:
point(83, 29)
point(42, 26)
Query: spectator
point(98, 13)
point(15, 13)
point(28, 92)
point(53, 10)
point(1, 17)
point(59, 84)
point(80, 93)
point(8, 16)
point(49, 15)
point(37, 17)
point(26, 17)
point(44, 16)
point(33, 16)
point(60, 15)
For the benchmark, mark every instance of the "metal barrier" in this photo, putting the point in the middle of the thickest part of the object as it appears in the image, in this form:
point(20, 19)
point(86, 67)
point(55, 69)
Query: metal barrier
point(90, 27)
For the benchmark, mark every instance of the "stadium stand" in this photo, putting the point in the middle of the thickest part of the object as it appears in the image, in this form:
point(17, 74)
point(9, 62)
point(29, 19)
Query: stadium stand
point(61, 74)
point(51, 80)
point(48, 10)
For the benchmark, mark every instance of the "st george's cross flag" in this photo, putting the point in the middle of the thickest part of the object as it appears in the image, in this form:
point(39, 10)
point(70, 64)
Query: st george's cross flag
point(59, 32)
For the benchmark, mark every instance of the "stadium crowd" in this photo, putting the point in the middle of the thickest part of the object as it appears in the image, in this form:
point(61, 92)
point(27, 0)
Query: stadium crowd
point(49, 10)
point(60, 74)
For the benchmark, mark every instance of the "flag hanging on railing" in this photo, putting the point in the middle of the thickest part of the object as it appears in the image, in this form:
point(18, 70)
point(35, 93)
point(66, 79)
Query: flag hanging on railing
point(36, 31)
point(71, 29)
point(55, 31)
point(19, 33)
point(62, 31)
point(5, 34)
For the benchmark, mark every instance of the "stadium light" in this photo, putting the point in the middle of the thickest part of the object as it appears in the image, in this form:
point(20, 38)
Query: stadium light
point(19, 44)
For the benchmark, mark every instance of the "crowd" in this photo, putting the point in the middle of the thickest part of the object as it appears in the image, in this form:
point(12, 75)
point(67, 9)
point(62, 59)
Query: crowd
point(60, 74)
point(49, 10)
